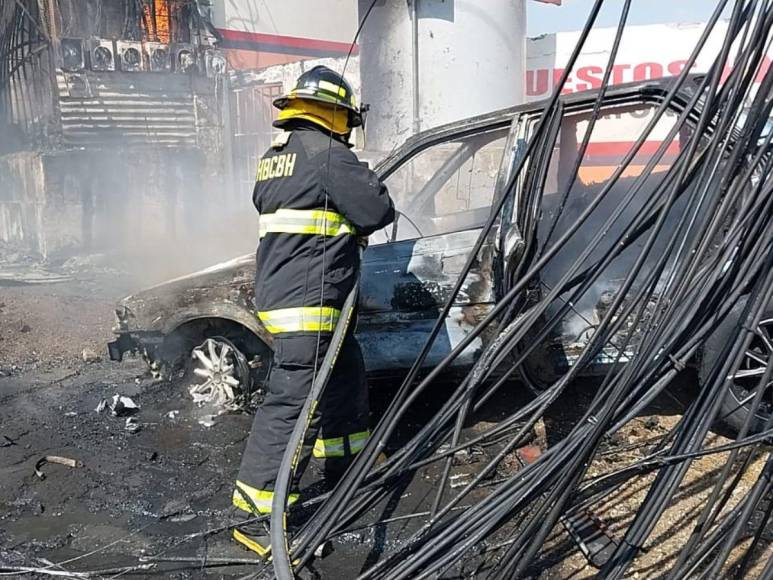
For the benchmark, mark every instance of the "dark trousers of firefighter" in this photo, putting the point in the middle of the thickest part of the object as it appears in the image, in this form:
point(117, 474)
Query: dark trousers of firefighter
point(341, 424)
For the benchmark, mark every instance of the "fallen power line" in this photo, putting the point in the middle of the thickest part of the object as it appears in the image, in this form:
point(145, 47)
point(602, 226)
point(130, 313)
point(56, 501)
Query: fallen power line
point(689, 234)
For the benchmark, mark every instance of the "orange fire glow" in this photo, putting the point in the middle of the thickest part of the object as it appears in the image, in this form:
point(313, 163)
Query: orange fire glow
point(158, 27)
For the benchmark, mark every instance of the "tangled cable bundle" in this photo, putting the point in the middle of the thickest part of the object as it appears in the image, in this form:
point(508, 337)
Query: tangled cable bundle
point(691, 246)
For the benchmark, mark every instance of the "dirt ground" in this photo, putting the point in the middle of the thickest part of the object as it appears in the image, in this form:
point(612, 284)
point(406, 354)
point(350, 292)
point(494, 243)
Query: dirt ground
point(635, 441)
point(47, 327)
point(138, 499)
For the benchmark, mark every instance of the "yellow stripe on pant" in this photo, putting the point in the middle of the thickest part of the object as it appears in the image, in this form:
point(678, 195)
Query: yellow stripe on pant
point(303, 319)
point(244, 495)
point(304, 221)
point(336, 446)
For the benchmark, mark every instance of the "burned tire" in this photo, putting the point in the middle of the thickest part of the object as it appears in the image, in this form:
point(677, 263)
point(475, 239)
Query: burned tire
point(737, 402)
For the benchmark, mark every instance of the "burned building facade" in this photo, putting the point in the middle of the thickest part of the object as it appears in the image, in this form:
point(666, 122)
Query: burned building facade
point(111, 122)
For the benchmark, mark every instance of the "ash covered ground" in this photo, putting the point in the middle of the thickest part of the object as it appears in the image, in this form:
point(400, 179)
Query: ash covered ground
point(135, 498)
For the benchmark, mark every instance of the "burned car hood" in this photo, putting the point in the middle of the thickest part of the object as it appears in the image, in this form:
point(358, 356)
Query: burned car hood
point(227, 287)
point(207, 274)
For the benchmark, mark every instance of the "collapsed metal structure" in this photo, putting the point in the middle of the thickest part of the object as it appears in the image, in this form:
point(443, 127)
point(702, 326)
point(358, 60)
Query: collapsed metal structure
point(24, 67)
point(107, 110)
point(715, 258)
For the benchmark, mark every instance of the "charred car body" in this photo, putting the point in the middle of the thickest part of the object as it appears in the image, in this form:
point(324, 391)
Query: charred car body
point(444, 182)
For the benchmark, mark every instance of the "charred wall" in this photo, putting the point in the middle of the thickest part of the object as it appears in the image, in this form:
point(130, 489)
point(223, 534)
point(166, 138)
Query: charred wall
point(121, 149)
point(27, 106)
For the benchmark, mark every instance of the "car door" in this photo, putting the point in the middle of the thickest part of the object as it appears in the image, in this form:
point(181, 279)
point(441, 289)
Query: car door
point(559, 195)
point(443, 189)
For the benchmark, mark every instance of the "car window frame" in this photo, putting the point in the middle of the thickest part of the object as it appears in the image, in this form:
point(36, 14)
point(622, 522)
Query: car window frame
point(652, 91)
point(416, 145)
point(526, 211)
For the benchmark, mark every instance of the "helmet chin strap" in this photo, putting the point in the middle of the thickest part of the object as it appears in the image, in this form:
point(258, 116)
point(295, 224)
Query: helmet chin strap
point(346, 139)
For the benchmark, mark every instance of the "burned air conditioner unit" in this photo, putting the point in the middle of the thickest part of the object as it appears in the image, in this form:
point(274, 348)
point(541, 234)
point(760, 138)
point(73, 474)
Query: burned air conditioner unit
point(72, 54)
point(159, 59)
point(130, 57)
point(102, 55)
point(185, 58)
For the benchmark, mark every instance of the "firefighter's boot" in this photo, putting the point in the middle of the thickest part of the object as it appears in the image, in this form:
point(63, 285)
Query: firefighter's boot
point(255, 537)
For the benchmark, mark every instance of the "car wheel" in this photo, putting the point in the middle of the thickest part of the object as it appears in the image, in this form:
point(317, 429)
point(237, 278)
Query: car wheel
point(220, 374)
point(546, 363)
point(736, 405)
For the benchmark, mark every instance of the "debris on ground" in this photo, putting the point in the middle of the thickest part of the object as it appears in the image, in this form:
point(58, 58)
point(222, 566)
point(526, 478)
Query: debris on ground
point(207, 420)
point(73, 463)
point(122, 406)
point(174, 507)
point(91, 264)
point(90, 356)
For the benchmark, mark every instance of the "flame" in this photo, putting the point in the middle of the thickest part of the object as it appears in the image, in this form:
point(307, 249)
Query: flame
point(158, 27)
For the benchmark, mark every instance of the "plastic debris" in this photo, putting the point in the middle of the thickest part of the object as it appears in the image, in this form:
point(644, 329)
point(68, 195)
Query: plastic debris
point(132, 425)
point(90, 356)
point(183, 518)
point(122, 406)
point(207, 421)
point(55, 459)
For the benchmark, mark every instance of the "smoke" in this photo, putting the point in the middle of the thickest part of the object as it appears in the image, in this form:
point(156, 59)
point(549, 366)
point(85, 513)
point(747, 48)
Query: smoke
point(175, 219)
point(149, 214)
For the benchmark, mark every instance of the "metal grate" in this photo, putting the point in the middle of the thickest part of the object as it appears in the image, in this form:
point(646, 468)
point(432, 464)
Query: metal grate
point(131, 108)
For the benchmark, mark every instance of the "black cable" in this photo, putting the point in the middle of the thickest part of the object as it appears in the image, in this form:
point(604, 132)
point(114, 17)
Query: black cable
point(674, 295)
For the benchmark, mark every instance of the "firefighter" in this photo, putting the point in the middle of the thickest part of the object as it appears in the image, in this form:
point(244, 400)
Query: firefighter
point(316, 203)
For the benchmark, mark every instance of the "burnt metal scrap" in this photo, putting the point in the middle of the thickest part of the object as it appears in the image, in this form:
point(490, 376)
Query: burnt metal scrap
point(23, 66)
point(698, 257)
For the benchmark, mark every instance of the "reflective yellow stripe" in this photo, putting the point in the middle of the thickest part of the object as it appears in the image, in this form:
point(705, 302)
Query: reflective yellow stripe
point(328, 86)
point(336, 446)
point(305, 319)
point(260, 498)
point(305, 221)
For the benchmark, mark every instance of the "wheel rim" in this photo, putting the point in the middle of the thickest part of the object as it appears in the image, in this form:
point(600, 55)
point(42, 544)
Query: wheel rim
point(753, 366)
point(217, 372)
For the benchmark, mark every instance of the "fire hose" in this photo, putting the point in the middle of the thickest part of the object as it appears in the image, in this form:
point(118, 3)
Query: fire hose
point(279, 543)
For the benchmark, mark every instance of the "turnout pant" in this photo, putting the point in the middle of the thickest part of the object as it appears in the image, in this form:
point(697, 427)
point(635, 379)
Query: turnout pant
point(339, 429)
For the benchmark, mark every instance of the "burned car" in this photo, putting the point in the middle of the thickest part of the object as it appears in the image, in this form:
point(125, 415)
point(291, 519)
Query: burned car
point(444, 182)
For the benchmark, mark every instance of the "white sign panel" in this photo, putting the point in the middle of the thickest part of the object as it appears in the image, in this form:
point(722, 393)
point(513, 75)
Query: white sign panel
point(646, 52)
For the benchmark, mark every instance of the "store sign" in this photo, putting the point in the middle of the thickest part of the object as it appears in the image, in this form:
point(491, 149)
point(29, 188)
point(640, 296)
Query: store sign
point(646, 52)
